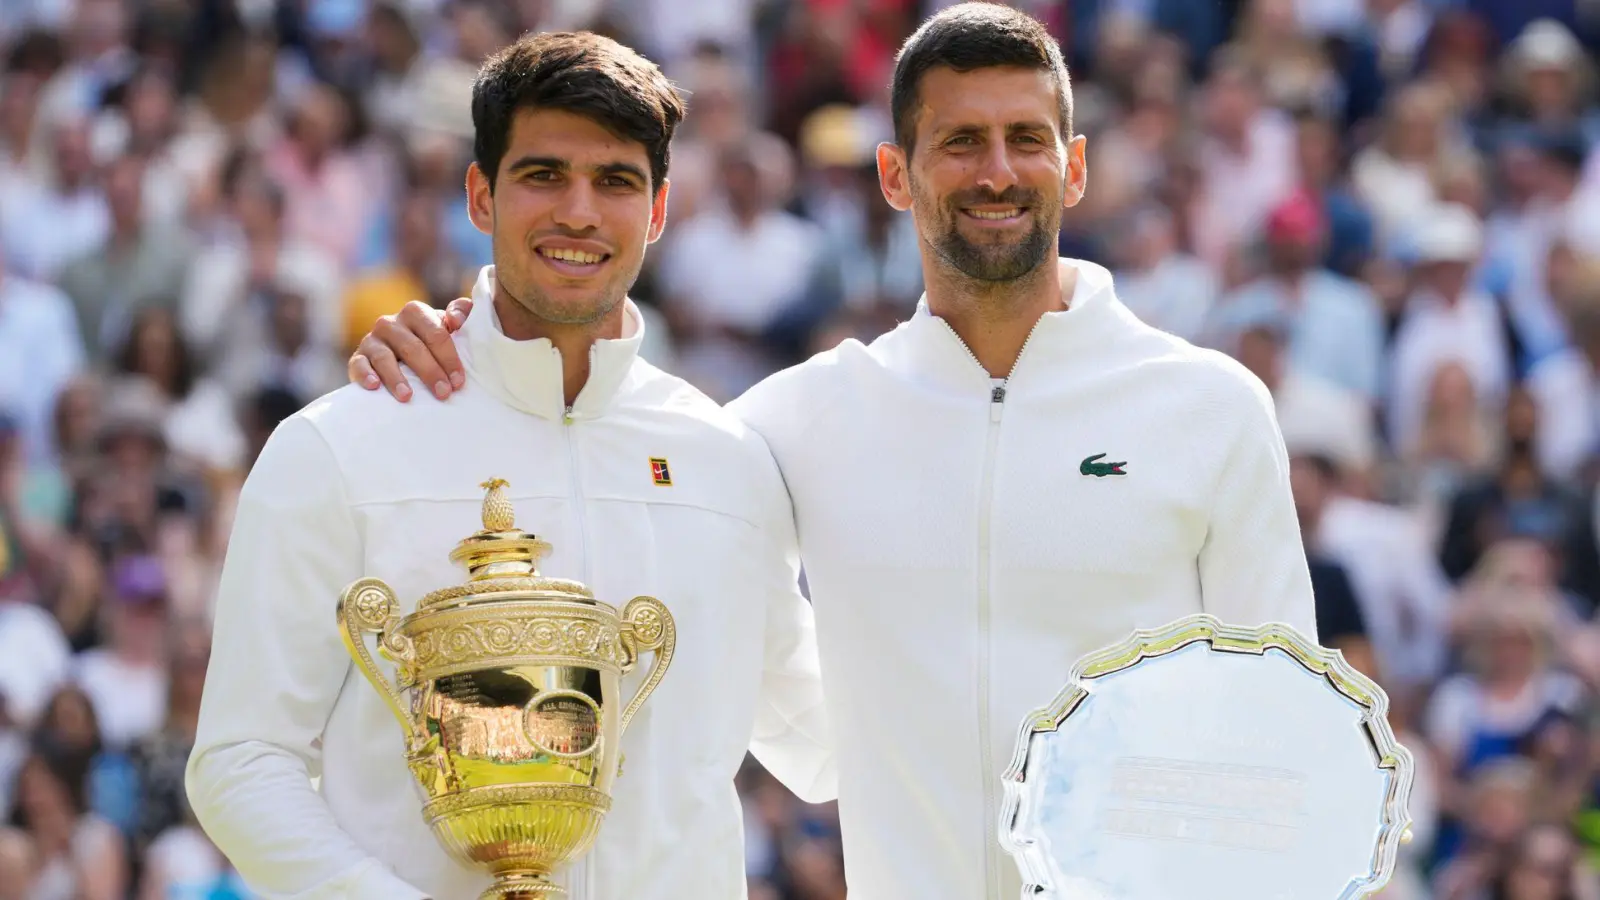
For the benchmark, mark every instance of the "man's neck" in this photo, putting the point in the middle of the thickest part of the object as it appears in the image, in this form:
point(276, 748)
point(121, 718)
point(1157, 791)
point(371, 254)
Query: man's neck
point(572, 342)
point(994, 320)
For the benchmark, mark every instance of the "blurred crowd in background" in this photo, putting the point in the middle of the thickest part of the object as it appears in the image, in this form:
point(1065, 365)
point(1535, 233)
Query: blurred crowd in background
point(1388, 209)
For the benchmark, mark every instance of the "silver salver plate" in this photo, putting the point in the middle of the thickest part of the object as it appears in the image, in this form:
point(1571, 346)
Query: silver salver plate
point(1207, 762)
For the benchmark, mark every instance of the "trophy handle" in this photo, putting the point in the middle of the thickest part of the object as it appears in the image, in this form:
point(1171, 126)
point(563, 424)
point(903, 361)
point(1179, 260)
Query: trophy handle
point(646, 625)
point(369, 605)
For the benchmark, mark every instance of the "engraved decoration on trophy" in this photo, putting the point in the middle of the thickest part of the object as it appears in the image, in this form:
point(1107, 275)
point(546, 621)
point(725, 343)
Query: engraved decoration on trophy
point(508, 692)
point(1210, 762)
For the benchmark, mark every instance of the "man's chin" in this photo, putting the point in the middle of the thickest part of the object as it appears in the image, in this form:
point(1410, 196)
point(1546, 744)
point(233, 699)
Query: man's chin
point(577, 308)
point(565, 305)
point(983, 264)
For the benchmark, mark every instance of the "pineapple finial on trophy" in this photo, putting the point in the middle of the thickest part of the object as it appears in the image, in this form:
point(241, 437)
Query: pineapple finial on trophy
point(498, 514)
point(499, 549)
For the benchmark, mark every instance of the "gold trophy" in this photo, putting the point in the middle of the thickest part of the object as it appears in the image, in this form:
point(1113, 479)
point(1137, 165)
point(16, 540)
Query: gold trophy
point(508, 690)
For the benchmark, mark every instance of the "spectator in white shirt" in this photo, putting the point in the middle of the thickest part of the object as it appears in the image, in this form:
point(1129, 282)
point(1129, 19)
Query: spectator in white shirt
point(234, 278)
point(1394, 176)
point(81, 854)
point(1549, 80)
point(1564, 384)
point(199, 422)
point(1337, 324)
point(1457, 442)
point(1403, 595)
point(44, 226)
point(766, 261)
point(34, 657)
point(40, 351)
point(127, 679)
point(22, 156)
point(1384, 551)
point(1164, 286)
point(1248, 164)
point(1447, 319)
point(1547, 169)
point(1508, 637)
point(1310, 409)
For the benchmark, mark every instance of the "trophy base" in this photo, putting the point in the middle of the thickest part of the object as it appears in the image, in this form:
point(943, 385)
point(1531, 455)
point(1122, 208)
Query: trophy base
point(513, 886)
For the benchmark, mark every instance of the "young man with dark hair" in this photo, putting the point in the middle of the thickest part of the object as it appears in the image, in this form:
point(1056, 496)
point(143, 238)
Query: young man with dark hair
point(1021, 474)
point(570, 179)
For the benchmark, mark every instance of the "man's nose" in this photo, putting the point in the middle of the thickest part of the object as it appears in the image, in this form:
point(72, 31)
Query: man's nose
point(998, 172)
point(579, 209)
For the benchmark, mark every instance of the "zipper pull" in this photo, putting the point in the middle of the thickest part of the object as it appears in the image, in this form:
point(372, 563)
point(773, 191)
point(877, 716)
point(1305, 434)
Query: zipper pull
point(568, 416)
point(997, 399)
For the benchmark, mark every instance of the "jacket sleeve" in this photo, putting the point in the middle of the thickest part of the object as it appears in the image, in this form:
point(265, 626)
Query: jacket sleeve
point(793, 735)
point(1253, 567)
point(278, 667)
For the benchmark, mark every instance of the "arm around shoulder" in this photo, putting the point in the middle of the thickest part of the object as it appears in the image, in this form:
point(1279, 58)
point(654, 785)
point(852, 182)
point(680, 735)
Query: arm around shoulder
point(793, 735)
point(278, 667)
point(1253, 568)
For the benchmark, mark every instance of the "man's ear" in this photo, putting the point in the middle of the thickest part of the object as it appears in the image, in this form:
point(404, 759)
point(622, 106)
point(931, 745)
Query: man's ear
point(658, 212)
point(1077, 173)
point(480, 199)
point(894, 175)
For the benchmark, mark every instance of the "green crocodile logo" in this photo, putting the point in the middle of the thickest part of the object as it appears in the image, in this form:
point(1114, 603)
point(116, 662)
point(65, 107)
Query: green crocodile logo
point(1092, 466)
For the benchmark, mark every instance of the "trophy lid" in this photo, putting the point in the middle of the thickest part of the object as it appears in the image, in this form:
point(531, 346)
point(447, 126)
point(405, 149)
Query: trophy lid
point(499, 557)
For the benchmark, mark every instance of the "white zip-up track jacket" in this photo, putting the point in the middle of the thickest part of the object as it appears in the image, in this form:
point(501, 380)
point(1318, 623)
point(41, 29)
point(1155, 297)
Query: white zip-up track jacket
point(966, 541)
point(358, 485)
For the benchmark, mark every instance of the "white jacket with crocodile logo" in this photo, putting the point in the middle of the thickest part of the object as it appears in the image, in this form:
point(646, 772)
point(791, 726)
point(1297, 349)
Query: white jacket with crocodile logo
point(966, 541)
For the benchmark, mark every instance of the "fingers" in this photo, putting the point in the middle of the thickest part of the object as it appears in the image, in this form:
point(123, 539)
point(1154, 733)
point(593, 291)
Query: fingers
point(381, 360)
point(360, 372)
point(402, 338)
point(419, 337)
point(441, 369)
point(456, 313)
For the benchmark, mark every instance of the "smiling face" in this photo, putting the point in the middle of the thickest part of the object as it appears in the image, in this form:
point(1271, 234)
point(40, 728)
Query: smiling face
point(988, 172)
point(571, 212)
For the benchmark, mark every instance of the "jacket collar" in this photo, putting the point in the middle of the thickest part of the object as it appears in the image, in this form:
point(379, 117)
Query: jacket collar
point(527, 374)
point(930, 349)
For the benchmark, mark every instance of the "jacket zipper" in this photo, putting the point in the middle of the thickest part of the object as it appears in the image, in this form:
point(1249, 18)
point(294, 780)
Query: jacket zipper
point(582, 875)
point(991, 813)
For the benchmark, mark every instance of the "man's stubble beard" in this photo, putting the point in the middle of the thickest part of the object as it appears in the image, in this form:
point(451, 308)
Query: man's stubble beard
point(524, 292)
point(995, 265)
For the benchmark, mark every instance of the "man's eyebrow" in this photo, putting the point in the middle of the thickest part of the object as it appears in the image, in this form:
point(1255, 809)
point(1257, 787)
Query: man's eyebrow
point(950, 131)
point(623, 168)
point(557, 164)
point(973, 128)
point(539, 162)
